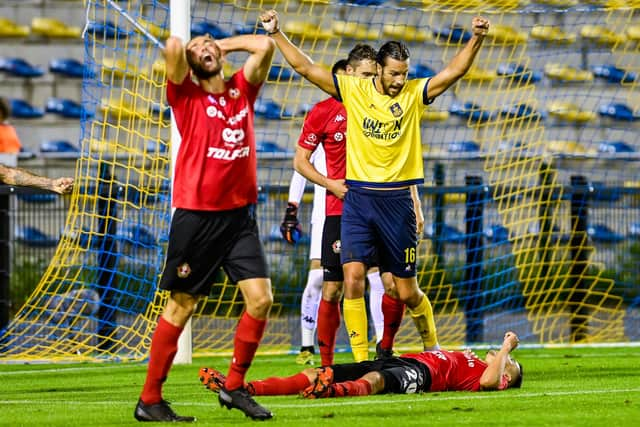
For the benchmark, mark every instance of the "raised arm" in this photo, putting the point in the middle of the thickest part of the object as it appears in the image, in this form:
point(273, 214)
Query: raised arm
point(298, 60)
point(176, 60)
point(490, 379)
point(461, 63)
point(260, 49)
point(17, 176)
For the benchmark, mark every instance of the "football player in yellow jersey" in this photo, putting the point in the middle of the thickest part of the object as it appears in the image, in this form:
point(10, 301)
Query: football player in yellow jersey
point(384, 165)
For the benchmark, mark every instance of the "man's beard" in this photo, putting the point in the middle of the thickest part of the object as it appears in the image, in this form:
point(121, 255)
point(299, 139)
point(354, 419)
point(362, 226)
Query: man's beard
point(203, 74)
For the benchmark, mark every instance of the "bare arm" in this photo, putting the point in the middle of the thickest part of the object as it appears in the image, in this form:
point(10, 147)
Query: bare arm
point(461, 63)
point(176, 60)
point(260, 48)
point(17, 176)
point(302, 164)
point(298, 60)
point(490, 379)
point(417, 206)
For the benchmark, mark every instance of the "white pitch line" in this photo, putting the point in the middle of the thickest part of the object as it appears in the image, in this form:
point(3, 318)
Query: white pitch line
point(343, 402)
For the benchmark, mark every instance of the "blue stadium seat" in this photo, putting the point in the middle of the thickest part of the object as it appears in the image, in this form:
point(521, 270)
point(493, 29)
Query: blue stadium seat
point(136, 236)
point(248, 28)
point(618, 111)
point(18, 67)
point(67, 67)
point(282, 72)
point(463, 147)
point(419, 71)
point(202, 27)
point(634, 230)
point(21, 109)
point(269, 147)
point(32, 236)
point(364, 2)
point(497, 233)
point(107, 30)
point(519, 73)
point(470, 110)
point(521, 110)
point(450, 234)
point(271, 110)
point(59, 147)
point(603, 193)
point(64, 107)
point(613, 74)
point(452, 35)
point(601, 233)
point(38, 198)
point(615, 147)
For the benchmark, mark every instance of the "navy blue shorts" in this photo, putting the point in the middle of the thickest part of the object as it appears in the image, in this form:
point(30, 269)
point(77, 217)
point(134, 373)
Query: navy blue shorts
point(201, 242)
point(379, 226)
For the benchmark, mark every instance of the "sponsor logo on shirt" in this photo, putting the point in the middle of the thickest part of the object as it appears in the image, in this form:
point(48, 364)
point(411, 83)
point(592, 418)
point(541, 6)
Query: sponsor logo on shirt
point(339, 136)
point(339, 118)
point(234, 93)
point(224, 154)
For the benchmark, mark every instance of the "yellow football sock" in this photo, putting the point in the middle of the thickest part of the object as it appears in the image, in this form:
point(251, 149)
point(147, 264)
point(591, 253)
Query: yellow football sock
point(355, 319)
point(422, 316)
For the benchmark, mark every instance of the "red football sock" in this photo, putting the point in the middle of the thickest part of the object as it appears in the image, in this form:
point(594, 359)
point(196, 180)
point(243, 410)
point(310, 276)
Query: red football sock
point(164, 346)
point(393, 312)
point(275, 386)
point(248, 335)
point(328, 324)
point(351, 388)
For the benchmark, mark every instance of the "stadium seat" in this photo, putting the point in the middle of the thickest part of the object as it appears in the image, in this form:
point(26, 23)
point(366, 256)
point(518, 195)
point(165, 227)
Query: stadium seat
point(497, 233)
point(419, 71)
point(9, 29)
point(64, 107)
point(21, 109)
point(472, 112)
point(26, 154)
point(569, 112)
point(53, 28)
point(271, 110)
point(601, 233)
point(480, 75)
point(354, 30)
point(60, 148)
point(463, 147)
point(618, 111)
point(122, 109)
point(432, 115)
point(604, 193)
point(250, 27)
point(614, 74)
point(633, 32)
point(521, 111)
point(202, 27)
point(18, 67)
point(565, 147)
point(601, 35)
point(452, 35)
point(519, 73)
point(67, 67)
point(565, 73)
point(32, 236)
point(38, 198)
point(269, 147)
point(551, 34)
point(364, 2)
point(408, 33)
point(450, 234)
point(157, 31)
point(107, 30)
point(307, 30)
point(613, 147)
point(282, 73)
point(634, 230)
point(137, 236)
point(506, 34)
point(118, 67)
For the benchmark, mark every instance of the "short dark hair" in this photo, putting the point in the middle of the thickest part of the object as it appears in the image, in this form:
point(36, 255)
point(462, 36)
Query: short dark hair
point(341, 64)
point(393, 49)
point(518, 383)
point(5, 108)
point(360, 52)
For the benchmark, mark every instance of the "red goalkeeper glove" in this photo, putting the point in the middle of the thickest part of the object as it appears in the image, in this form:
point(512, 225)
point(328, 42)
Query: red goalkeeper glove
point(290, 227)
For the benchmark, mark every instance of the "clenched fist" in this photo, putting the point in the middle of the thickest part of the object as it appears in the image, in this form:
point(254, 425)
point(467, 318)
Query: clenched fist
point(510, 341)
point(480, 26)
point(269, 21)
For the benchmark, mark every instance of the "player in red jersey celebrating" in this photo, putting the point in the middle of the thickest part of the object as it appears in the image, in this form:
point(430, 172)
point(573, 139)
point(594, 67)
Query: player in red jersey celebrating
point(214, 225)
point(429, 371)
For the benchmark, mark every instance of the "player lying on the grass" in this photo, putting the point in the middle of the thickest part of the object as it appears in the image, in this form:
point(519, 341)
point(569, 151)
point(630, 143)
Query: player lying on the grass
point(429, 371)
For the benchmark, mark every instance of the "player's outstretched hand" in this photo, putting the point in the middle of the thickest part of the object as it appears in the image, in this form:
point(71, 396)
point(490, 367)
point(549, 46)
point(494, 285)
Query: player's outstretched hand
point(269, 21)
point(510, 341)
point(480, 26)
point(290, 227)
point(62, 185)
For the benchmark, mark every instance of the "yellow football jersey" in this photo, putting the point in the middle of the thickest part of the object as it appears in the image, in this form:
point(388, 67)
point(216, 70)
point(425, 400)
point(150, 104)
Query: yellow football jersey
point(384, 145)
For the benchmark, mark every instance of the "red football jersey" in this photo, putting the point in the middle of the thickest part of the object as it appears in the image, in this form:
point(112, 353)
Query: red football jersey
point(216, 167)
point(453, 370)
point(326, 124)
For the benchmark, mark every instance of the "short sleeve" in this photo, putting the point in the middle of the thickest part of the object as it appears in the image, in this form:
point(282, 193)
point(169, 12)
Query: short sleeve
point(312, 129)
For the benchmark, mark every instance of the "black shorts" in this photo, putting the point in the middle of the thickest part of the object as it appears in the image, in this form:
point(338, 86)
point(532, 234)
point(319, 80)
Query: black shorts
point(331, 247)
point(401, 376)
point(200, 242)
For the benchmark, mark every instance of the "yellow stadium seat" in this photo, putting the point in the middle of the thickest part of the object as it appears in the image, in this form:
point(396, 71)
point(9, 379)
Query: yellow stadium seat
point(118, 67)
point(505, 34)
point(566, 73)
point(602, 35)
point(549, 33)
point(435, 115)
point(155, 30)
point(353, 30)
point(8, 28)
point(51, 27)
point(507, 4)
point(566, 147)
point(306, 30)
point(480, 75)
point(560, 3)
point(407, 33)
point(633, 32)
point(569, 112)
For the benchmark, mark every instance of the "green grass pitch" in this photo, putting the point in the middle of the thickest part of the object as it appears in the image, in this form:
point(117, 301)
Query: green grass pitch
point(562, 387)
